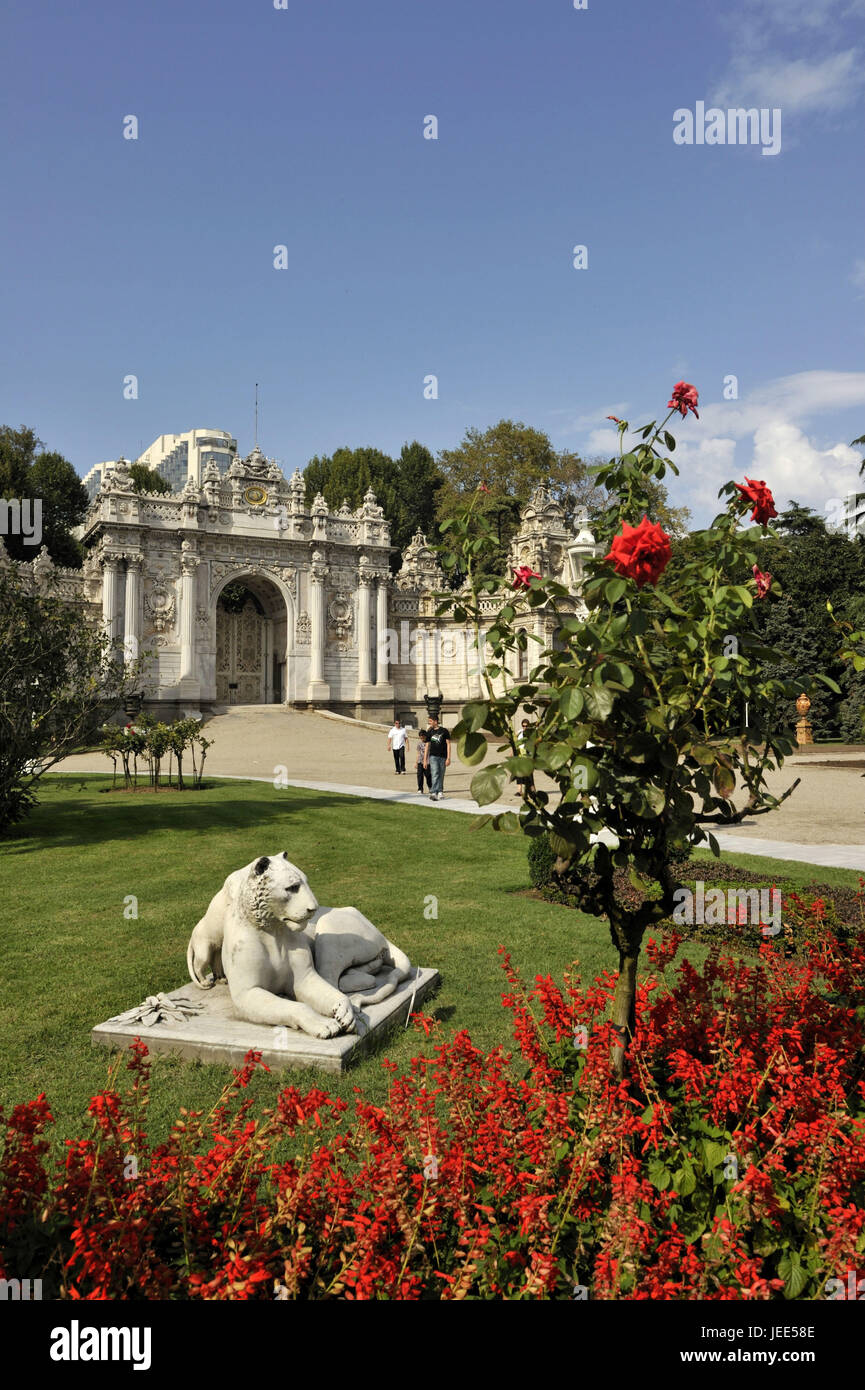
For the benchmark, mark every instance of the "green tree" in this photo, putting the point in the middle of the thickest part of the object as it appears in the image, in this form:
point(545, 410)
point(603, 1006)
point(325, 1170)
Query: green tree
point(511, 458)
point(27, 470)
point(406, 488)
point(18, 449)
point(420, 484)
point(811, 565)
point(146, 479)
point(347, 474)
point(58, 678)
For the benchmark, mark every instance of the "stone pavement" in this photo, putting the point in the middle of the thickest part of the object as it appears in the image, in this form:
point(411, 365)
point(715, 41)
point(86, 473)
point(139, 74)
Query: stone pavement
point(822, 823)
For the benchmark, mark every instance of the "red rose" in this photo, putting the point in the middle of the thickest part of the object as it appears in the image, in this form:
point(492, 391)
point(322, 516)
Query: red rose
point(641, 553)
point(759, 494)
point(614, 417)
point(523, 575)
point(763, 582)
point(684, 398)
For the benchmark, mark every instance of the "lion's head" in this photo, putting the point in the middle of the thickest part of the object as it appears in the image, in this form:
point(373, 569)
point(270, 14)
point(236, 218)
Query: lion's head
point(277, 889)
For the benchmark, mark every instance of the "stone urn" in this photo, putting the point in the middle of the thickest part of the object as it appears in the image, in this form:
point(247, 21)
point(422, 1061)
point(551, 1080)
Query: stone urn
point(132, 705)
point(803, 727)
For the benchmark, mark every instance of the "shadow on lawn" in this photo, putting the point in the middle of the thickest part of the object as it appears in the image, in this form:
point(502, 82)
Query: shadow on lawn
point(110, 819)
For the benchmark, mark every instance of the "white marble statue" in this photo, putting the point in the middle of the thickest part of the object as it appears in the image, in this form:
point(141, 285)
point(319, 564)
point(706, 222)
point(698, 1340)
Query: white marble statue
point(288, 961)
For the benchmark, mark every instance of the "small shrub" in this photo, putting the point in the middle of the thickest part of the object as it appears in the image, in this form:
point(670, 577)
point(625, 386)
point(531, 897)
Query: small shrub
point(541, 861)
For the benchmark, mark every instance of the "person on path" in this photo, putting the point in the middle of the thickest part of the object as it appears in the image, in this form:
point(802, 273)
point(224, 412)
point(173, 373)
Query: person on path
point(437, 756)
point(396, 743)
point(423, 772)
point(526, 784)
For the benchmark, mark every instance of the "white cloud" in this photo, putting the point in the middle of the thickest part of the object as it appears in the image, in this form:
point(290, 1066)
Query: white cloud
point(858, 276)
point(798, 85)
point(577, 423)
point(768, 434)
point(799, 55)
point(773, 445)
point(804, 14)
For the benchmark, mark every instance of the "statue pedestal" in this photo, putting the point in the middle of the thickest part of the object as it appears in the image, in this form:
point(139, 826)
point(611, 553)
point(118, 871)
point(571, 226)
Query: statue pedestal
point(803, 732)
point(210, 1031)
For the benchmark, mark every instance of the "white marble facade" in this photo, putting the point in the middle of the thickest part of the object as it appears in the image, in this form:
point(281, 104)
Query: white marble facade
point(237, 593)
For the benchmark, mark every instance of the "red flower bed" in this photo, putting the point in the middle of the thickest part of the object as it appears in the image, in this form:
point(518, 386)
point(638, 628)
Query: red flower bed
point(728, 1164)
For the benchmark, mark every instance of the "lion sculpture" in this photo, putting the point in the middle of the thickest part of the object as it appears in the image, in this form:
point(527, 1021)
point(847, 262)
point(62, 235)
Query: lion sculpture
point(287, 960)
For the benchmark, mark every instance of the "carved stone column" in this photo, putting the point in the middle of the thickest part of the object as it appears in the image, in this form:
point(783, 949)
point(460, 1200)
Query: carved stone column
point(267, 660)
point(433, 686)
point(110, 591)
point(188, 568)
point(418, 650)
point(132, 609)
point(383, 683)
point(318, 688)
point(365, 688)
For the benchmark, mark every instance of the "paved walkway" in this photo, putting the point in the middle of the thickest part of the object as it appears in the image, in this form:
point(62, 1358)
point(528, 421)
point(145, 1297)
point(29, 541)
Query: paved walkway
point(822, 823)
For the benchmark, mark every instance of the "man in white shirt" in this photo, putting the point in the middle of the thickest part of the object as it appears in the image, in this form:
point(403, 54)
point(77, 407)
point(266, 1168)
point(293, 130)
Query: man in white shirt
point(396, 743)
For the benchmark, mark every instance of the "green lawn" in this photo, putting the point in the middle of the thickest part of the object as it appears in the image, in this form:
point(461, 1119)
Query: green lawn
point(71, 958)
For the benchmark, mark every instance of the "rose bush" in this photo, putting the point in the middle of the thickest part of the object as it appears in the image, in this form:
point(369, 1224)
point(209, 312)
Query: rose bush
point(638, 706)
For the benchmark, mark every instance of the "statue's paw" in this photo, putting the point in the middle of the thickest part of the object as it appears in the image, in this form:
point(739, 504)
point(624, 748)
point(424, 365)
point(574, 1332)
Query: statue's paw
point(344, 1015)
point(325, 1028)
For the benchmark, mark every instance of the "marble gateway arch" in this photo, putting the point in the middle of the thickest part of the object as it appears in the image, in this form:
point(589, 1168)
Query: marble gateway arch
point(236, 592)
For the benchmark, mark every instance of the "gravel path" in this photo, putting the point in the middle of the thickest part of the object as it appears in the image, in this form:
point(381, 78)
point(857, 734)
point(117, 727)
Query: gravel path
point(827, 809)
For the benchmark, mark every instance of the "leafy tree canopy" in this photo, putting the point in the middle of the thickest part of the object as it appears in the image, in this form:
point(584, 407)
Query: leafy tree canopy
point(406, 487)
point(27, 470)
point(146, 479)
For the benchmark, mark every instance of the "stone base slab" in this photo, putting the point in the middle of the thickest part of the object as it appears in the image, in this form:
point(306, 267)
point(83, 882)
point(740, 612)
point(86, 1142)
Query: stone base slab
point(214, 1033)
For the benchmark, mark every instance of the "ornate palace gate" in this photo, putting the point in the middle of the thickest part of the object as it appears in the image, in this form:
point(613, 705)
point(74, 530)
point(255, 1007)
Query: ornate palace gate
point(240, 648)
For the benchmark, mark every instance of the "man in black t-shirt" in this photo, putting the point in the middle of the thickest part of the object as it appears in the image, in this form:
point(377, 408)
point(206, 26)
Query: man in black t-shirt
point(437, 756)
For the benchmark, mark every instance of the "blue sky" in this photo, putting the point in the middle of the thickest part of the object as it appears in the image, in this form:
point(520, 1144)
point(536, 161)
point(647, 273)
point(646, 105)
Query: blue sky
point(303, 127)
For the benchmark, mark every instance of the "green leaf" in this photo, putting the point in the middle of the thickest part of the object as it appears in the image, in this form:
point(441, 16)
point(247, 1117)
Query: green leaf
point(557, 755)
point(827, 680)
point(713, 1154)
point(659, 1174)
point(599, 702)
point(794, 1276)
point(571, 702)
point(685, 1180)
point(560, 846)
point(475, 715)
point(472, 748)
point(488, 785)
point(520, 766)
point(584, 773)
point(614, 589)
